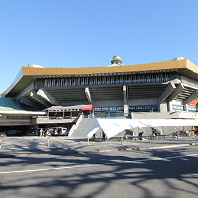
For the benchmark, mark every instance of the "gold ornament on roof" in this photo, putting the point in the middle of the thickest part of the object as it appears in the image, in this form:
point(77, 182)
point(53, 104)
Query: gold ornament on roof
point(117, 58)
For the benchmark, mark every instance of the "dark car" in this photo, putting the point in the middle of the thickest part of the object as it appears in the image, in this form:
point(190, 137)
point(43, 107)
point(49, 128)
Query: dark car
point(13, 133)
point(35, 131)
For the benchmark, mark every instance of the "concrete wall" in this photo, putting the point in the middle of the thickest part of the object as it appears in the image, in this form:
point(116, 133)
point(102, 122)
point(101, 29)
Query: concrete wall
point(46, 120)
point(15, 122)
point(108, 103)
point(143, 102)
point(165, 115)
point(39, 83)
point(73, 103)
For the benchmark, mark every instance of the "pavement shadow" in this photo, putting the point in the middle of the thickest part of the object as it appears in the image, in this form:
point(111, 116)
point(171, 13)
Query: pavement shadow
point(138, 171)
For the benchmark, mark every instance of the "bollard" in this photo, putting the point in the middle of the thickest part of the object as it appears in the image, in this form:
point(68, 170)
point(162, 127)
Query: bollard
point(0, 144)
point(48, 145)
point(122, 140)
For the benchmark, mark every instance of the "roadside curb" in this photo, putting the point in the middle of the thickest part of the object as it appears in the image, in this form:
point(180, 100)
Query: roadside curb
point(96, 151)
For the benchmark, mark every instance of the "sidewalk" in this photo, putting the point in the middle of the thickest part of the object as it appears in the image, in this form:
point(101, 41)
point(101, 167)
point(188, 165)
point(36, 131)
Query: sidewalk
point(27, 146)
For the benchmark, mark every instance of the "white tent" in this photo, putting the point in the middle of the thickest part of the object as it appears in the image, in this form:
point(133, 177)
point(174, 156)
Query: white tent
point(112, 127)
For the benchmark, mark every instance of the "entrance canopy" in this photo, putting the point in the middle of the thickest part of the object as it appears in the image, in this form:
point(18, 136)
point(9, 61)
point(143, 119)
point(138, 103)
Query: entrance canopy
point(112, 127)
point(87, 108)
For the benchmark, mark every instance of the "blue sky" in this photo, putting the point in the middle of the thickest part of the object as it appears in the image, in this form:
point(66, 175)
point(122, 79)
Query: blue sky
point(88, 33)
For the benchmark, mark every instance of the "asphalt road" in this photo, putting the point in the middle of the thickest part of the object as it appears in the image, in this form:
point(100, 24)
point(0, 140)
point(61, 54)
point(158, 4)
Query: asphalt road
point(149, 173)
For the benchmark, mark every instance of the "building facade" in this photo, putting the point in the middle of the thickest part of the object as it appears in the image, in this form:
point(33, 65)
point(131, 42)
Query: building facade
point(153, 90)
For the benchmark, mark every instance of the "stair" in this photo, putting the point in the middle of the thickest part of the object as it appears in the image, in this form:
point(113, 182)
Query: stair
point(83, 128)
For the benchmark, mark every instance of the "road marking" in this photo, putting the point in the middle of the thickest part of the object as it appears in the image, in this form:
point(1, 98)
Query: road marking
point(91, 165)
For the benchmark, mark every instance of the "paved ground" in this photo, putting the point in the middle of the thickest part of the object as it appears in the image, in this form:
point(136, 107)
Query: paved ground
point(20, 146)
point(149, 173)
point(72, 168)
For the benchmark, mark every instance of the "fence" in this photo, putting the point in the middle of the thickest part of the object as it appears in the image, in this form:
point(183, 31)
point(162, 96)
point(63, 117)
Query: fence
point(112, 115)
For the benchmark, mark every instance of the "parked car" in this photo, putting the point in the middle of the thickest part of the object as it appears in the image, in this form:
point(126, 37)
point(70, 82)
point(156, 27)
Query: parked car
point(2, 134)
point(56, 131)
point(49, 132)
point(13, 133)
point(61, 131)
point(35, 131)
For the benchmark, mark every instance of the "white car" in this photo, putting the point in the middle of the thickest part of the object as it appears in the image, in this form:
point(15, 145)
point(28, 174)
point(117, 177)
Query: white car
point(61, 131)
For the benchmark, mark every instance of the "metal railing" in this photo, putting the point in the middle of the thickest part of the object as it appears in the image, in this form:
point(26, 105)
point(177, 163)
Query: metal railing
point(112, 115)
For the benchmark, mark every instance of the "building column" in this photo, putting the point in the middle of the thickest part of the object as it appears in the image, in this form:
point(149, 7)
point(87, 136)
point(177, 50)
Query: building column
point(88, 95)
point(33, 94)
point(27, 102)
point(164, 106)
point(163, 102)
point(125, 97)
point(191, 98)
point(186, 107)
point(167, 92)
point(47, 97)
point(178, 90)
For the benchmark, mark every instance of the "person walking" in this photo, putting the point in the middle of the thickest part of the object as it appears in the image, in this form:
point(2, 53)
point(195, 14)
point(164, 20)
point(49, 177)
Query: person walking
point(103, 136)
point(140, 135)
point(41, 132)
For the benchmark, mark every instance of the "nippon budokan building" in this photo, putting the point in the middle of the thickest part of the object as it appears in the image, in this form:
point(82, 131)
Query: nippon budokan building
point(48, 97)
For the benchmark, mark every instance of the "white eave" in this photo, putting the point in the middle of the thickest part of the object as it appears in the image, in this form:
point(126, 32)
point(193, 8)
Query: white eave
point(23, 113)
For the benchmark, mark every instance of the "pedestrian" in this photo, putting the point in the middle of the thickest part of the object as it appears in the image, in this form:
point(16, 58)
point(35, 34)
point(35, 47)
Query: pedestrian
point(140, 135)
point(41, 132)
point(103, 136)
point(47, 132)
point(154, 133)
